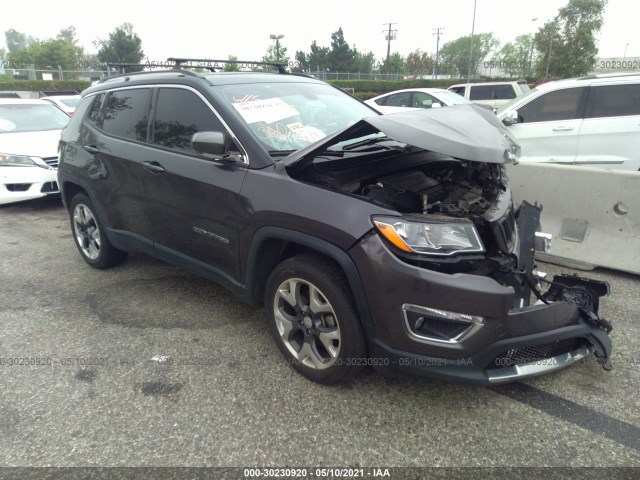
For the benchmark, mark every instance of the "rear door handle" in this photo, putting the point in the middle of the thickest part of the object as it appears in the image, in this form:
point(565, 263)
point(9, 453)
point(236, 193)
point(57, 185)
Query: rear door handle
point(91, 149)
point(563, 128)
point(154, 167)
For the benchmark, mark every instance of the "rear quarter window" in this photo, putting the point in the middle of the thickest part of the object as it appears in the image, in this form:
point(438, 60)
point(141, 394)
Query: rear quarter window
point(614, 101)
point(126, 114)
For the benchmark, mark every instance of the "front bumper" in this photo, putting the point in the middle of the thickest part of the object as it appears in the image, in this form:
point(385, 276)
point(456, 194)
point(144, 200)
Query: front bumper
point(26, 183)
point(510, 343)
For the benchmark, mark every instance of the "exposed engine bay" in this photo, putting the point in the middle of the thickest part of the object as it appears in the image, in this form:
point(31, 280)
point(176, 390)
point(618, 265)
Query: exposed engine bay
point(422, 182)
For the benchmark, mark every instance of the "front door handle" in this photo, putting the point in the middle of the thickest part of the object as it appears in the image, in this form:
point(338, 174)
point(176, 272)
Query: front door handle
point(154, 167)
point(563, 128)
point(91, 149)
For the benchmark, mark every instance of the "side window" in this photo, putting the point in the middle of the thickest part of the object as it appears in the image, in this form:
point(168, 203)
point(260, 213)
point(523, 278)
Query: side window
point(481, 92)
point(179, 114)
point(558, 105)
point(94, 113)
point(458, 90)
point(423, 100)
point(126, 114)
point(614, 101)
point(399, 100)
point(504, 92)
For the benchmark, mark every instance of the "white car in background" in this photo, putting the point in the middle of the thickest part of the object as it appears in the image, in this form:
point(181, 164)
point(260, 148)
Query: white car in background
point(29, 137)
point(66, 103)
point(592, 121)
point(415, 98)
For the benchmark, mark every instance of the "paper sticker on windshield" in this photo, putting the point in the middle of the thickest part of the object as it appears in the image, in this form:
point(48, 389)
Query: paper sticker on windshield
point(268, 111)
point(295, 127)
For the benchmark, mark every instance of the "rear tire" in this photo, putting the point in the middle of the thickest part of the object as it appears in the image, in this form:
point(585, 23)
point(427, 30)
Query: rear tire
point(312, 318)
point(90, 236)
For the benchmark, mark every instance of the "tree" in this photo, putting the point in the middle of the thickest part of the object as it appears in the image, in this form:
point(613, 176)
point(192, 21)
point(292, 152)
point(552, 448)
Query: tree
point(516, 58)
point(68, 34)
point(394, 64)
point(363, 62)
point(48, 54)
point(341, 57)
point(454, 55)
point(419, 62)
point(276, 53)
point(318, 57)
point(17, 41)
point(122, 46)
point(231, 67)
point(566, 45)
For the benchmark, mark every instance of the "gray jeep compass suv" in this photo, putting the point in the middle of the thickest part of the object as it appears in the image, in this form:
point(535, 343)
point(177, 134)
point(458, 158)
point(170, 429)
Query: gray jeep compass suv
point(388, 241)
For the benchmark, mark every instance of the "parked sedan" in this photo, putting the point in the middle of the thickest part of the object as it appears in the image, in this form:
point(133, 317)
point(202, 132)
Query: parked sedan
point(29, 137)
point(415, 98)
point(66, 103)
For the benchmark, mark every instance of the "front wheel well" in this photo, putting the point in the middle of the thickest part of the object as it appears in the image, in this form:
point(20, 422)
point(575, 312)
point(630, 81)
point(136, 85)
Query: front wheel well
point(272, 252)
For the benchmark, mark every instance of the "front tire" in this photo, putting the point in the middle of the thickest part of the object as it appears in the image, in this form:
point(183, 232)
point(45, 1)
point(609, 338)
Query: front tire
point(89, 235)
point(313, 319)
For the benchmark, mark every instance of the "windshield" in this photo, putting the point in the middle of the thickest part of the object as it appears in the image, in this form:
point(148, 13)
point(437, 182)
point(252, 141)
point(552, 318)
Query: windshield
point(70, 102)
point(507, 105)
point(285, 117)
point(453, 98)
point(31, 118)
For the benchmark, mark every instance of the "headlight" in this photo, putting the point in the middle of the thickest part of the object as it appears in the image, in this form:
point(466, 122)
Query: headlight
point(431, 238)
point(8, 160)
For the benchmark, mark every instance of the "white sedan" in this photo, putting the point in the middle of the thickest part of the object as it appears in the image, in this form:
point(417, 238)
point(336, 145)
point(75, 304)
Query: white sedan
point(29, 137)
point(415, 98)
point(66, 103)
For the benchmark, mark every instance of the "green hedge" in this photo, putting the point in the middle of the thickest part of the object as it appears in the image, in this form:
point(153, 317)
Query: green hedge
point(39, 85)
point(366, 95)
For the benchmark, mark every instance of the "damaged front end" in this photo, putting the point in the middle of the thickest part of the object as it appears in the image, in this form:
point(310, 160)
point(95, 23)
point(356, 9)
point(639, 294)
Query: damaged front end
point(444, 204)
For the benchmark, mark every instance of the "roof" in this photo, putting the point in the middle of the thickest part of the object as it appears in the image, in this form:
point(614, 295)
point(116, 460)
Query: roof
point(187, 77)
point(22, 101)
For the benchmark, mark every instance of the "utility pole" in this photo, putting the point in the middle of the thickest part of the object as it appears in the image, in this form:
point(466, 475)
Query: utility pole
point(473, 27)
point(438, 34)
point(389, 35)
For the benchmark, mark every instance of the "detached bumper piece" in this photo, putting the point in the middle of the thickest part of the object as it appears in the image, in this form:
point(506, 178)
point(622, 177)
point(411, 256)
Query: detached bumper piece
point(586, 293)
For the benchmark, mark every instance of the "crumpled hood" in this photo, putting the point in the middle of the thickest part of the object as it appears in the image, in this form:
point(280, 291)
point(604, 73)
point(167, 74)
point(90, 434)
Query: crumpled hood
point(467, 132)
point(42, 143)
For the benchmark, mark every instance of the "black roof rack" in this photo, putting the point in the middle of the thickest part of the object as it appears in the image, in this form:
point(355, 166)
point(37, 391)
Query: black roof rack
point(214, 65)
point(166, 69)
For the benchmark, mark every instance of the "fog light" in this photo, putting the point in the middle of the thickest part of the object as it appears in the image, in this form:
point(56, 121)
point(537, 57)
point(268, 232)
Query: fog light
point(425, 323)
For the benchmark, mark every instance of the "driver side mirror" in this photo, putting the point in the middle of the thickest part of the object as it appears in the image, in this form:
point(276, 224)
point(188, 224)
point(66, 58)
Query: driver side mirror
point(213, 145)
point(511, 118)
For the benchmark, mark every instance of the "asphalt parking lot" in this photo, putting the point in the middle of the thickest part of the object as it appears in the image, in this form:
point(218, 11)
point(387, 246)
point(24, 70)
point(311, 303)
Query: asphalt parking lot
point(226, 396)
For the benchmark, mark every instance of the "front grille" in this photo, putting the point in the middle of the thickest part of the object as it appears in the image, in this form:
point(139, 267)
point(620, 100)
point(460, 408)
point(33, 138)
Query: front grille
point(524, 355)
point(51, 161)
point(504, 231)
point(18, 187)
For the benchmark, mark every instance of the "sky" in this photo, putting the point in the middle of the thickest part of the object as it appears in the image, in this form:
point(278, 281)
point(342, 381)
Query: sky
point(242, 27)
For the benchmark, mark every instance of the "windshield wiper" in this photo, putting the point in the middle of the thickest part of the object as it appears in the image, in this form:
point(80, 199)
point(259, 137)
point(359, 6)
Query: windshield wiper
point(281, 153)
point(370, 142)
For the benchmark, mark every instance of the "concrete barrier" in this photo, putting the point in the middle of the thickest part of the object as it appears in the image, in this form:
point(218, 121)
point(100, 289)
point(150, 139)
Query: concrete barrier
point(593, 214)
